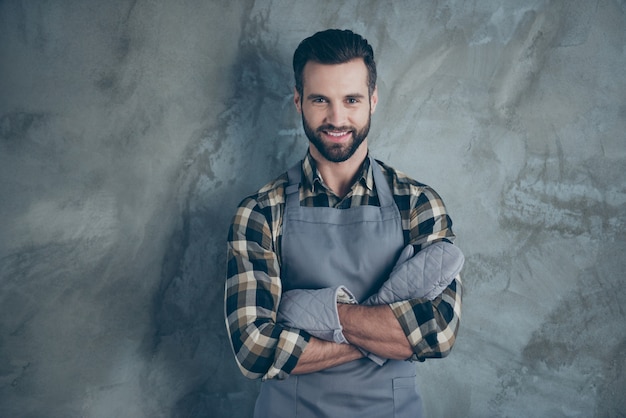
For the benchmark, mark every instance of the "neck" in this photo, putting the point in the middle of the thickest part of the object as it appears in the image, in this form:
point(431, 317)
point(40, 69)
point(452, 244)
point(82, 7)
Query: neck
point(340, 176)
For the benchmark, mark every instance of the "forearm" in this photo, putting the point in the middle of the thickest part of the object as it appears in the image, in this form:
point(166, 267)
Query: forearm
point(319, 355)
point(375, 329)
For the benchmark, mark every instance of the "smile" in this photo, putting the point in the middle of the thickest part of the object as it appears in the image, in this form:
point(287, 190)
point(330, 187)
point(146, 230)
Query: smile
point(338, 137)
point(336, 134)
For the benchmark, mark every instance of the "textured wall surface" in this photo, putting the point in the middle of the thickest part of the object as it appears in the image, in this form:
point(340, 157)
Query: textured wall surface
point(129, 131)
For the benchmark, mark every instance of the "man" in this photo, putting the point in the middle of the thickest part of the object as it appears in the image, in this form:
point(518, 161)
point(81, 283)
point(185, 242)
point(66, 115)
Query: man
point(341, 269)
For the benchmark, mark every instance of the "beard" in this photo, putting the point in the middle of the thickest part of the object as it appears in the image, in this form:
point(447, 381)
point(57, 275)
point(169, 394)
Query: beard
point(333, 152)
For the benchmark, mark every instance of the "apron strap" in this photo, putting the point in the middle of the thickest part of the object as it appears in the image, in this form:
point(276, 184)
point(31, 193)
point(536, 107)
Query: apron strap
point(292, 195)
point(385, 197)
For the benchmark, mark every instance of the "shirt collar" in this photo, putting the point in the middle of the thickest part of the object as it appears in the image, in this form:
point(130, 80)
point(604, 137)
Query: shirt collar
point(313, 179)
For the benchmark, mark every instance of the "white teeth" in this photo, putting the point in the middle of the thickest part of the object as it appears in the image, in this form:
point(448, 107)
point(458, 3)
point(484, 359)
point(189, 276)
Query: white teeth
point(337, 133)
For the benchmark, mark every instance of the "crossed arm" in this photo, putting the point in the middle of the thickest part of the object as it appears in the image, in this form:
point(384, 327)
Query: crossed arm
point(373, 328)
point(267, 346)
point(264, 348)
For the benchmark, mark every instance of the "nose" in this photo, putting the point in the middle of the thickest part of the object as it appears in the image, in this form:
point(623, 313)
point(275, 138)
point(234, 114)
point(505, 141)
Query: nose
point(336, 114)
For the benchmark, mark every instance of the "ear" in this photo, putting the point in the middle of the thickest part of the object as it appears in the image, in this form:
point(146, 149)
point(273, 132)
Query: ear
point(374, 100)
point(297, 100)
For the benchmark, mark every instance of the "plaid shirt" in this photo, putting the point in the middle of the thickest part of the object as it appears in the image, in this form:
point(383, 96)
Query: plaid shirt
point(267, 350)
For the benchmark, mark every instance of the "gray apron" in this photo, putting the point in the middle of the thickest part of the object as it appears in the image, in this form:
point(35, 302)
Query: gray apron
point(355, 247)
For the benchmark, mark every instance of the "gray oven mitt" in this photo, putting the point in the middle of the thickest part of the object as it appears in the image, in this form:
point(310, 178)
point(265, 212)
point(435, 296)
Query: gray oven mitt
point(315, 311)
point(424, 275)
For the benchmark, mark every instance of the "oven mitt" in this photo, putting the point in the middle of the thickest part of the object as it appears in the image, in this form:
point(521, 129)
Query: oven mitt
point(424, 275)
point(315, 311)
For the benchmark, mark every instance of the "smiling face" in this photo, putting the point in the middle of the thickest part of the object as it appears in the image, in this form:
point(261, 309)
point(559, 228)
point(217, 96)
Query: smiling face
point(336, 108)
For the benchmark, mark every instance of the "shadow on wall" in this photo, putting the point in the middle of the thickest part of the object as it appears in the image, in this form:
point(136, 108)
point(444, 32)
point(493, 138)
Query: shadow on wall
point(244, 148)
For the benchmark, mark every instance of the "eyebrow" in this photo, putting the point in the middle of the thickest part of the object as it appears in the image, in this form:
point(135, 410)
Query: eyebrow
point(321, 96)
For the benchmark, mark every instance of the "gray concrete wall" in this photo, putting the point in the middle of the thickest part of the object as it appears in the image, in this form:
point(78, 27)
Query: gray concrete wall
point(129, 130)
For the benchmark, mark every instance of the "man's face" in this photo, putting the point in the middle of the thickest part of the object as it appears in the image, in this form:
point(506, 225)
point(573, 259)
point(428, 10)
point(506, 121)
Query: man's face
point(336, 107)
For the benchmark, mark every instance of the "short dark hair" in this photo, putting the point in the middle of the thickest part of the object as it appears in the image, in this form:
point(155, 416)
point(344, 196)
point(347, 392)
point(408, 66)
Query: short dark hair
point(334, 46)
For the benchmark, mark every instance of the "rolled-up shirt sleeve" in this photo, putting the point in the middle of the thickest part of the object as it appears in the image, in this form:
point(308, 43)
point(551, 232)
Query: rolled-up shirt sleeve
point(262, 348)
point(430, 326)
